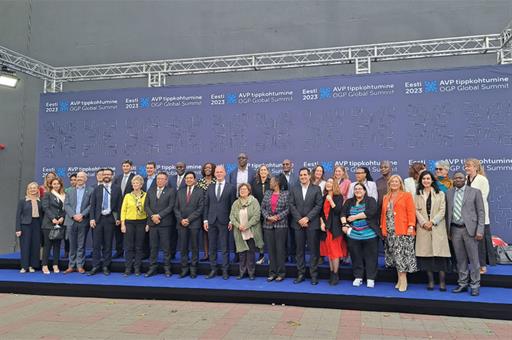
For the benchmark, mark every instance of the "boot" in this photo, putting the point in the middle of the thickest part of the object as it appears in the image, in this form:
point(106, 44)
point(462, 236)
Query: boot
point(442, 281)
point(430, 276)
point(335, 278)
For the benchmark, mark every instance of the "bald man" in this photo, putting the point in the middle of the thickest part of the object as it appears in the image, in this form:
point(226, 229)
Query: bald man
point(76, 205)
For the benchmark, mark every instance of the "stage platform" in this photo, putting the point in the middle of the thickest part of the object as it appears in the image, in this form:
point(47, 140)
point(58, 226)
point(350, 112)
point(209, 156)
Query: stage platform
point(495, 300)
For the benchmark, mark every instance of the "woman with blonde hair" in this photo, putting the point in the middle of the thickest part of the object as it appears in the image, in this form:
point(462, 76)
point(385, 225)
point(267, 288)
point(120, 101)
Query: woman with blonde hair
point(133, 226)
point(476, 179)
point(28, 228)
point(398, 222)
point(341, 178)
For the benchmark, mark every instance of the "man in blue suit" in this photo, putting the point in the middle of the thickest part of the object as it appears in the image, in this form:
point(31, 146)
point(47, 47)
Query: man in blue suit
point(243, 173)
point(178, 181)
point(150, 179)
point(105, 216)
point(218, 201)
point(77, 206)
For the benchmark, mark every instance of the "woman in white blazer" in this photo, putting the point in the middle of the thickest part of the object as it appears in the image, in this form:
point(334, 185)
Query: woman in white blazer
point(476, 179)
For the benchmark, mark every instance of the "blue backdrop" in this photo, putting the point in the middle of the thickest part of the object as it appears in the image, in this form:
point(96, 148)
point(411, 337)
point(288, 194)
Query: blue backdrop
point(350, 120)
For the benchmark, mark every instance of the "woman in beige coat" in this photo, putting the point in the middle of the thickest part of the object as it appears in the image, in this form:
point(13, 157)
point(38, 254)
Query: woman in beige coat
point(432, 249)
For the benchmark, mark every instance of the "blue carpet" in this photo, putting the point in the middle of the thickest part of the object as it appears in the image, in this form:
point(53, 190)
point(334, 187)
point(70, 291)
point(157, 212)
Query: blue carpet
point(382, 289)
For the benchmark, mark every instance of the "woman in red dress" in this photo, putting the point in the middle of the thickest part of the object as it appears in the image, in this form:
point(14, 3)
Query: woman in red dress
point(332, 244)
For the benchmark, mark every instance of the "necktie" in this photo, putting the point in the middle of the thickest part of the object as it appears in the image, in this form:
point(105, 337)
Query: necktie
point(158, 193)
point(178, 183)
point(105, 203)
point(123, 183)
point(457, 207)
point(218, 191)
point(189, 192)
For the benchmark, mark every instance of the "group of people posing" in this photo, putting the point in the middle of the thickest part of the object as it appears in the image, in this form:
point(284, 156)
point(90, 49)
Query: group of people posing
point(426, 221)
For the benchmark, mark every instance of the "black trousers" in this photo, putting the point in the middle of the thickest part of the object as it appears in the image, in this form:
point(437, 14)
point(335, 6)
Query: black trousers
point(173, 240)
point(486, 252)
point(119, 239)
point(364, 255)
point(189, 236)
point(312, 237)
point(30, 243)
point(275, 239)
point(248, 258)
point(102, 241)
point(291, 246)
point(159, 239)
point(53, 245)
point(218, 233)
point(134, 243)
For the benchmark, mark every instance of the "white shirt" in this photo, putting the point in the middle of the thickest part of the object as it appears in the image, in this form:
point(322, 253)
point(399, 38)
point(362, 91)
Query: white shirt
point(371, 190)
point(221, 187)
point(178, 180)
point(304, 191)
point(242, 176)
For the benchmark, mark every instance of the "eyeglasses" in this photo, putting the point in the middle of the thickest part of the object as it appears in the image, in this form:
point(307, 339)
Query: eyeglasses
point(439, 169)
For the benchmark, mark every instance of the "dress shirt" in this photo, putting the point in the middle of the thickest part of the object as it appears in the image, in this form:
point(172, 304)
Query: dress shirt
point(79, 197)
point(179, 179)
point(304, 191)
point(108, 209)
point(221, 184)
point(242, 176)
point(149, 181)
point(124, 181)
point(459, 192)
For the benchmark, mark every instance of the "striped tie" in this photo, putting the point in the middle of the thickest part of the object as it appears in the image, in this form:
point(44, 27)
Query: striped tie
point(457, 207)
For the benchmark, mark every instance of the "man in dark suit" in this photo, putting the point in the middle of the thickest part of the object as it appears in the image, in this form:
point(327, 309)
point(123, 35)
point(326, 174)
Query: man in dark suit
point(123, 181)
point(465, 218)
point(287, 179)
point(77, 206)
point(104, 211)
point(305, 207)
point(159, 206)
point(150, 179)
point(178, 181)
point(218, 201)
point(243, 173)
point(97, 183)
point(188, 210)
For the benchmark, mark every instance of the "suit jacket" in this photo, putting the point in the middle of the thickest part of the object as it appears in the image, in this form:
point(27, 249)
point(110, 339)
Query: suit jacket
point(431, 242)
point(193, 210)
point(233, 174)
point(173, 182)
point(332, 221)
point(284, 184)
point(97, 201)
point(118, 181)
point(217, 210)
point(473, 211)
point(53, 208)
point(70, 205)
point(145, 186)
point(404, 211)
point(282, 210)
point(24, 213)
point(163, 206)
point(309, 207)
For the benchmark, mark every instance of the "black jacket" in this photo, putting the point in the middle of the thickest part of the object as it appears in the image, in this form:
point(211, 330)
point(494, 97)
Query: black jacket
point(24, 213)
point(371, 212)
point(333, 220)
point(53, 208)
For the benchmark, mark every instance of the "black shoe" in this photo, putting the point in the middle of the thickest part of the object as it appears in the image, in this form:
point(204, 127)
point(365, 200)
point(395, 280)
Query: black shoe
point(193, 273)
point(89, 256)
point(460, 289)
point(314, 281)
point(271, 278)
point(442, 287)
point(240, 276)
point(335, 278)
point(93, 271)
point(151, 272)
point(212, 274)
point(106, 271)
point(173, 256)
point(225, 274)
point(205, 259)
point(184, 272)
point(66, 255)
point(475, 291)
point(167, 272)
point(127, 272)
point(118, 255)
point(237, 258)
point(252, 277)
point(331, 279)
point(299, 279)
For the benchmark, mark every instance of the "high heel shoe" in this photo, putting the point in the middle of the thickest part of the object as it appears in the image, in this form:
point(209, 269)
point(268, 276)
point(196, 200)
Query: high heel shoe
point(56, 269)
point(403, 285)
point(46, 270)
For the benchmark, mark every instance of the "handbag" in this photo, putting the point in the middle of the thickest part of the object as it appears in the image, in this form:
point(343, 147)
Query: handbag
point(57, 232)
point(504, 255)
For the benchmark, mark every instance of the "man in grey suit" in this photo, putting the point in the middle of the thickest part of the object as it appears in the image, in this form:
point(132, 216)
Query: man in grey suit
point(77, 205)
point(465, 219)
point(189, 210)
point(305, 207)
point(159, 206)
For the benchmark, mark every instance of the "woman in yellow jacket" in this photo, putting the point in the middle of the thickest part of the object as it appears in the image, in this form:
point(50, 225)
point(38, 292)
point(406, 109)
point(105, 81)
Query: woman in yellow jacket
point(133, 225)
point(398, 223)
